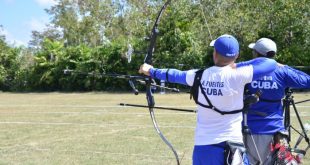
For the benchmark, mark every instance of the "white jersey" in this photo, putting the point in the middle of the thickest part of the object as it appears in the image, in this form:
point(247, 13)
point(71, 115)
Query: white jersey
point(224, 87)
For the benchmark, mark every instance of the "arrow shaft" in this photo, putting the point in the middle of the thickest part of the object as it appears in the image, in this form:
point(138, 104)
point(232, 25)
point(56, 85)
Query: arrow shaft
point(158, 107)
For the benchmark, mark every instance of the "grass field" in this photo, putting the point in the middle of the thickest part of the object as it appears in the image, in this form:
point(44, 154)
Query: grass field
point(90, 128)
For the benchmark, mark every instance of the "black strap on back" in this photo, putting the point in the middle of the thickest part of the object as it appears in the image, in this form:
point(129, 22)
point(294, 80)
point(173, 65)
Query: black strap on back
point(195, 88)
point(194, 91)
point(270, 101)
point(167, 75)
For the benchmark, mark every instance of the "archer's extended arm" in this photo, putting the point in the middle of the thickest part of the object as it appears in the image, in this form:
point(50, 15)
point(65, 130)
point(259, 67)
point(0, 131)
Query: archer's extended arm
point(296, 78)
point(261, 66)
point(169, 75)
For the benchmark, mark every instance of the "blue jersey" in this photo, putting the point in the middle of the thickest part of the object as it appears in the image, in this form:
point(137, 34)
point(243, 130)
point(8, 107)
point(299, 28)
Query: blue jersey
point(273, 90)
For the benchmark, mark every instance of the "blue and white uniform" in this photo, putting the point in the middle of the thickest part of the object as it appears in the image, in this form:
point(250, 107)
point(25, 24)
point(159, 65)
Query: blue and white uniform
point(224, 87)
point(273, 87)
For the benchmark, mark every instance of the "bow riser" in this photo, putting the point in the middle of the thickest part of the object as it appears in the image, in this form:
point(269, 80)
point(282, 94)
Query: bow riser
point(148, 81)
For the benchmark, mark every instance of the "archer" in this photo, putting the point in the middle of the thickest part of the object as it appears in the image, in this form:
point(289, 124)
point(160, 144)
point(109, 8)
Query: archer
point(219, 117)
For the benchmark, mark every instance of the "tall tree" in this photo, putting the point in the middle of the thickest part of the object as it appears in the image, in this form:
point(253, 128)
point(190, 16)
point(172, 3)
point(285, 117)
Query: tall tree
point(65, 17)
point(9, 64)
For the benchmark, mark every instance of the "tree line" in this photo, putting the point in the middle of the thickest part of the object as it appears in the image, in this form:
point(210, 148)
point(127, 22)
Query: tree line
point(92, 36)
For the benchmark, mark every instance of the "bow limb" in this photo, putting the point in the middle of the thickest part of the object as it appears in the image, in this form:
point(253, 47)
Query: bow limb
point(154, 33)
point(149, 93)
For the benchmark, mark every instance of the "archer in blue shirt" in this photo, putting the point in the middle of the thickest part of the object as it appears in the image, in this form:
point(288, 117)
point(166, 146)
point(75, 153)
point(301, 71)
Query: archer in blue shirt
point(264, 127)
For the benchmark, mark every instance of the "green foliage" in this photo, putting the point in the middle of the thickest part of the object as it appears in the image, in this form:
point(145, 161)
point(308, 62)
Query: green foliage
point(92, 37)
point(47, 73)
point(9, 64)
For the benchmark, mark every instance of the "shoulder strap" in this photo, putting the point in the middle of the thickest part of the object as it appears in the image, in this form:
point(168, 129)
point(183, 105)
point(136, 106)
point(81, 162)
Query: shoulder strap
point(167, 75)
point(195, 88)
point(194, 91)
point(212, 106)
point(270, 101)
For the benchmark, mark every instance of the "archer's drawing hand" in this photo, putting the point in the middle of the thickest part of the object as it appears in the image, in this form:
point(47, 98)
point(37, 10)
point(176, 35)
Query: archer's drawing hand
point(145, 69)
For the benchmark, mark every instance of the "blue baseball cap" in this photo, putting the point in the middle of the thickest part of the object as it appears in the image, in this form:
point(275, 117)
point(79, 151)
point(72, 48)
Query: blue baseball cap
point(226, 45)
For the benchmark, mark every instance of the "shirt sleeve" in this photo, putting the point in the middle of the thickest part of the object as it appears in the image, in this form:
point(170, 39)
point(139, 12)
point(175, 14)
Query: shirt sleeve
point(296, 79)
point(261, 66)
point(190, 76)
point(244, 74)
point(169, 75)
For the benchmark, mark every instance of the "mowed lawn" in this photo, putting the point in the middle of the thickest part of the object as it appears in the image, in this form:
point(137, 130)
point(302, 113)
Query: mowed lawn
point(91, 128)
